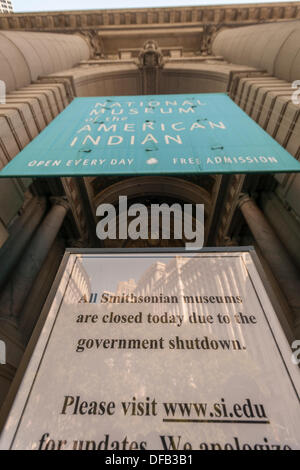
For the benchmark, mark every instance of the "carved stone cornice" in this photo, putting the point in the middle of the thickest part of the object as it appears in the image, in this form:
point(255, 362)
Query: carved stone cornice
point(72, 21)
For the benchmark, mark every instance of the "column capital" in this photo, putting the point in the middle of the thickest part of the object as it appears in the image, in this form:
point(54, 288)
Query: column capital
point(60, 201)
point(244, 197)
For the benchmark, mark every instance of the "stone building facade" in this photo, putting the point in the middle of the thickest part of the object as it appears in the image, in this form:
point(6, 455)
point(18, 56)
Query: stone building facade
point(252, 52)
point(6, 6)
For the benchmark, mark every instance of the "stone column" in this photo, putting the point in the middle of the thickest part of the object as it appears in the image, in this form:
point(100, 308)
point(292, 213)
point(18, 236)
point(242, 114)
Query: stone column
point(275, 254)
point(19, 237)
point(18, 287)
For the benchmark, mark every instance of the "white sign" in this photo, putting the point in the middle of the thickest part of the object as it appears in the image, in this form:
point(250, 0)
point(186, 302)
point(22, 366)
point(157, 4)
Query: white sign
point(163, 351)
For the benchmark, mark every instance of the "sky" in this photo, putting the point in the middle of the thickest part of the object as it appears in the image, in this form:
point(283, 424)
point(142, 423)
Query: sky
point(56, 5)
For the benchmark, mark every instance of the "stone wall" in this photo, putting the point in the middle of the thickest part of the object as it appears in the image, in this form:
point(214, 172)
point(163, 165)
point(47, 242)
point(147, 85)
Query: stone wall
point(272, 47)
point(24, 56)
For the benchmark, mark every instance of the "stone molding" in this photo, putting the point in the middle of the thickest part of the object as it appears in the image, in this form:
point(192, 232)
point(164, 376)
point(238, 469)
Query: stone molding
point(112, 19)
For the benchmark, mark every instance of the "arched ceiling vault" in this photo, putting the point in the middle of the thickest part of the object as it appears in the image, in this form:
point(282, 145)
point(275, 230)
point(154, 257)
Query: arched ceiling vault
point(125, 78)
